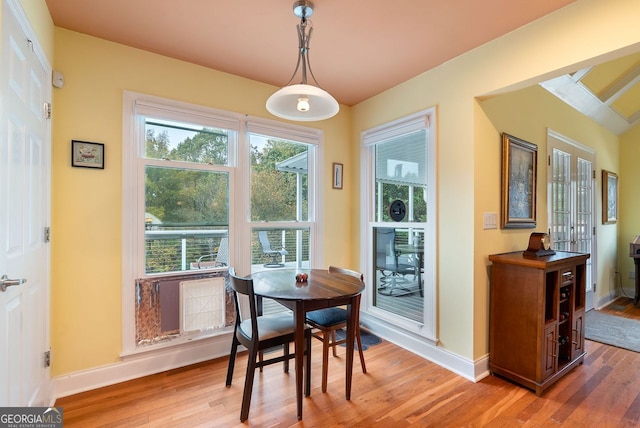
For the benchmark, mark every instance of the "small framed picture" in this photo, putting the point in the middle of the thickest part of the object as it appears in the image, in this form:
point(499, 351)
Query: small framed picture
point(609, 197)
point(337, 175)
point(87, 155)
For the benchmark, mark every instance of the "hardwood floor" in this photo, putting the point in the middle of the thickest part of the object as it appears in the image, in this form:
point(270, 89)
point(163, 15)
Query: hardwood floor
point(623, 307)
point(400, 389)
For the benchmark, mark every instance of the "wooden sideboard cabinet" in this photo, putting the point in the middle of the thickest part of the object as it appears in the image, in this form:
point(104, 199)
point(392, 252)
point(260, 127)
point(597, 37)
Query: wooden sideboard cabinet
point(537, 313)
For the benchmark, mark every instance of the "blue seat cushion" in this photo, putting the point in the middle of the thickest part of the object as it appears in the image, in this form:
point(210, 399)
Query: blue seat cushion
point(328, 317)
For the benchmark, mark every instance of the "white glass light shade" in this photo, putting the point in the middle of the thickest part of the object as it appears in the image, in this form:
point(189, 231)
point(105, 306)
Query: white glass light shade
point(284, 103)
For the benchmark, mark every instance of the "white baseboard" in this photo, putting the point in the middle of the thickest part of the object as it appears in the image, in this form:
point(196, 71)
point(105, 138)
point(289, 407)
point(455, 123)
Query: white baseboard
point(156, 361)
point(629, 292)
point(612, 296)
point(135, 366)
point(471, 370)
point(603, 301)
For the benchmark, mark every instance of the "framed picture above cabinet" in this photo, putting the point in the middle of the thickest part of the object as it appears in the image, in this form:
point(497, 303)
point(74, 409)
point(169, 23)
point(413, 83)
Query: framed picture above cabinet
point(519, 175)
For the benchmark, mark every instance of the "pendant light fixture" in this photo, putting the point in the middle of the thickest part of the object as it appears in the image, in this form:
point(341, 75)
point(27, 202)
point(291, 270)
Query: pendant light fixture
point(302, 101)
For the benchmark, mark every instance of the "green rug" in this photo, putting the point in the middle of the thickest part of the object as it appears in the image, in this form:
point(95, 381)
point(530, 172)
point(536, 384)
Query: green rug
point(613, 330)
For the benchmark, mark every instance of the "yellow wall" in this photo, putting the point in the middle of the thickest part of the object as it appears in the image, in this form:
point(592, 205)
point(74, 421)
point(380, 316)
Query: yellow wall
point(468, 145)
point(527, 114)
point(629, 223)
point(86, 232)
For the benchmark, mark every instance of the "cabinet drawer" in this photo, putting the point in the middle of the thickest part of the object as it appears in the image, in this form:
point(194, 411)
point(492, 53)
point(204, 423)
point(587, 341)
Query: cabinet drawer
point(567, 276)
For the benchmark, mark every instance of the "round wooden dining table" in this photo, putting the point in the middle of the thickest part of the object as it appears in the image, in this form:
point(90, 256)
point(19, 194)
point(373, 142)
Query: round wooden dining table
point(322, 289)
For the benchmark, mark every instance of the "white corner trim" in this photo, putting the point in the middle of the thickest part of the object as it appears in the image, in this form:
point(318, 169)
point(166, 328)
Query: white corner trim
point(428, 349)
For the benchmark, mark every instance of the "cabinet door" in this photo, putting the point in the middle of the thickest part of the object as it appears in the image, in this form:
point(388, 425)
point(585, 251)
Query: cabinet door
point(549, 351)
point(577, 340)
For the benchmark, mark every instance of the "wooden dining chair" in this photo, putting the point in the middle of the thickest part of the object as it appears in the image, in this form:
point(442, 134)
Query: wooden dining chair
point(258, 333)
point(325, 322)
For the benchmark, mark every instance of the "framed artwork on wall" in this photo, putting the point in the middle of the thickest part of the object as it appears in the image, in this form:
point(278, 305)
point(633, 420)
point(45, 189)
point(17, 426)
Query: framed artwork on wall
point(609, 197)
point(87, 155)
point(337, 175)
point(519, 175)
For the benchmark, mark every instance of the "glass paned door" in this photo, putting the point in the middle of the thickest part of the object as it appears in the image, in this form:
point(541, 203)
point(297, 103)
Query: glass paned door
point(561, 231)
point(572, 202)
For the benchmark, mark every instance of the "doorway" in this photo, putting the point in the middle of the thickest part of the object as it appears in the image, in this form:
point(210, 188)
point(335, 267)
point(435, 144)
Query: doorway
point(571, 180)
point(25, 145)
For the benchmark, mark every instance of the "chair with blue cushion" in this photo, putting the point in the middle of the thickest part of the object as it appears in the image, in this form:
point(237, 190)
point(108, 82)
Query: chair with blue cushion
point(258, 333)
point(325, 322)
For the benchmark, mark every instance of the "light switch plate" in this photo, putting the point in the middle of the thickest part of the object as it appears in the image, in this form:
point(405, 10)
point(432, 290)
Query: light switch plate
point(490, 221)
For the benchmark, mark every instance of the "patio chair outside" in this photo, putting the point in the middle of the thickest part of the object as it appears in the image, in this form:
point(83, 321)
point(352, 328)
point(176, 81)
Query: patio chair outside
point(387, 262)
point(218, 259)
point(269, 251)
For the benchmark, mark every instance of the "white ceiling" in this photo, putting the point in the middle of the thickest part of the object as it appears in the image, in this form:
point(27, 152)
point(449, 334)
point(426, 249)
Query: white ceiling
point(358, 49)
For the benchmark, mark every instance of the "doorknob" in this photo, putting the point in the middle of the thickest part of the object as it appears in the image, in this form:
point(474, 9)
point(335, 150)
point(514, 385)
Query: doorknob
point(6, 282)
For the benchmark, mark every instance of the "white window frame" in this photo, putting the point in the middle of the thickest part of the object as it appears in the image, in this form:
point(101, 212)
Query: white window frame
point(316, 179)
point(422, 120)
point(239, 182)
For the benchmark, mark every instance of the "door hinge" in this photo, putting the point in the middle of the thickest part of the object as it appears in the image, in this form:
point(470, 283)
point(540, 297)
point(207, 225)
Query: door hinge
point(47, 110)
point(593, 231)
point(549, 160)
point(47, 359)
point(47, 234)
point(593, 174)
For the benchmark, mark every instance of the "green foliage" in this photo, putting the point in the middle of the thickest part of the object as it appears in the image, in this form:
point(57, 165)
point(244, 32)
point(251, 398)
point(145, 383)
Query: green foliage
point(191, 199)
point(157, 147)
point(205, 147)
point(391, 192)
point(273, 192)
point(177, 195)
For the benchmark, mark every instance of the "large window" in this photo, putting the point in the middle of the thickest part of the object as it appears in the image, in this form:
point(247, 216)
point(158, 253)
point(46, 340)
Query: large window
point(178, 175)
point(186, 194)
point(200, 196)
point(280, 218)
point(282, 221)
point(401, 223)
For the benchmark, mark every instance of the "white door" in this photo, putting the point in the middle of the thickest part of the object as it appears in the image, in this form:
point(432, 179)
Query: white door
point(571, 179)
point(24, 213)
